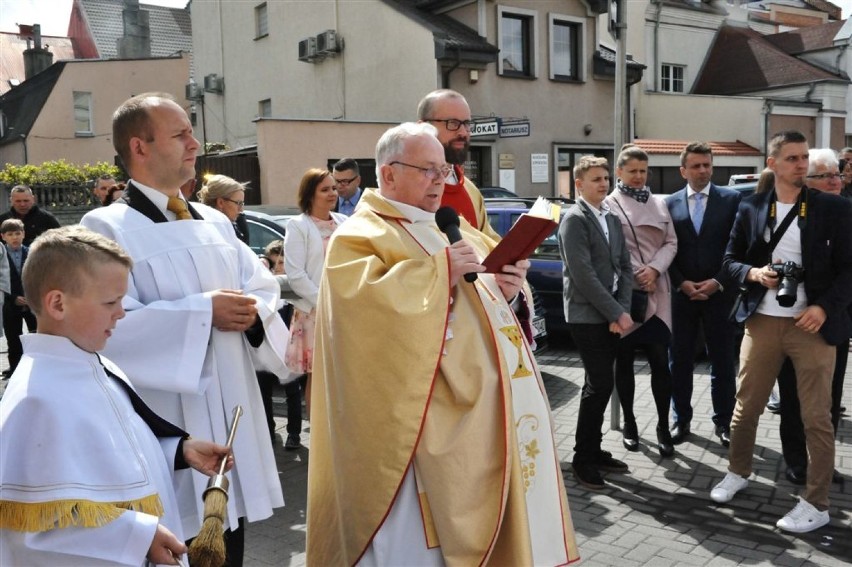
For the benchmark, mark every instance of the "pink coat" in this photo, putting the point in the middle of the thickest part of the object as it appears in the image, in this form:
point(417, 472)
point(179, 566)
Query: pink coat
point(657, 243)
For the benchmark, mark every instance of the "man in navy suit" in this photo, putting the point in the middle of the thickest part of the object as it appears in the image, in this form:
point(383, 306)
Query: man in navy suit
point(703, 295)
point(803, 318)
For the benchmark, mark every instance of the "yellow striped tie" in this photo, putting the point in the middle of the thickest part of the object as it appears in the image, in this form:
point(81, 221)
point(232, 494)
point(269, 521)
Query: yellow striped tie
point(179, 208)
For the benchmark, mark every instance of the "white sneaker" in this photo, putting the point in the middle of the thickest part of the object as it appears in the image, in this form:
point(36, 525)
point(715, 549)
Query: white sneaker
point(803, 518)
point(730, 485)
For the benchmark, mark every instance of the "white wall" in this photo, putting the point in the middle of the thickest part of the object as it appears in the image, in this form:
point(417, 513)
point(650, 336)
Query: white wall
point(386, 66)
point(111, 82)
point(711, 118)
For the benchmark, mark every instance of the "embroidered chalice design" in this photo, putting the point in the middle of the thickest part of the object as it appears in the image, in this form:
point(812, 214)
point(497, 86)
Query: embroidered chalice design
point(513, 333)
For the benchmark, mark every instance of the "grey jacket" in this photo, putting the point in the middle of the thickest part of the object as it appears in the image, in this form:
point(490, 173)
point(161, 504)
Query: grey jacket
point(590, 265)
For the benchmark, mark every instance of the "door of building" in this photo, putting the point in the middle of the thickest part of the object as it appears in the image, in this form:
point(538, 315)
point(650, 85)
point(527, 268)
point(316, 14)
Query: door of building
point(477, 168)
point(566, 158)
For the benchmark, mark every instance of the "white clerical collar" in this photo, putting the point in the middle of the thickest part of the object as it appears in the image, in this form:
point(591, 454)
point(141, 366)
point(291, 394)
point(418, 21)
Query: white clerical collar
point(690, 192)
point(452, 178)
point(410, 212)
point(160, 199)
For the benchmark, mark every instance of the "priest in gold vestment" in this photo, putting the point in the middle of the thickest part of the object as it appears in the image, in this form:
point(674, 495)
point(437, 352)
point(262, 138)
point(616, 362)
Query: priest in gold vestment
point(431, 435)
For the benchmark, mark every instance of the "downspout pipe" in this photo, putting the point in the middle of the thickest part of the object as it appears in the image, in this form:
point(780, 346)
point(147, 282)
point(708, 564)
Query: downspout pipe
point(657, 67)
point(446, 74)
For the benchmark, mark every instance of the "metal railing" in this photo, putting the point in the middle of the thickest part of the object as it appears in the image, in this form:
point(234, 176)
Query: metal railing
point(67, 202)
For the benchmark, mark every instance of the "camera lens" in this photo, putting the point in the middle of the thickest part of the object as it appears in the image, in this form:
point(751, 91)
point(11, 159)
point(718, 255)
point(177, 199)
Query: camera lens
point(790, 275)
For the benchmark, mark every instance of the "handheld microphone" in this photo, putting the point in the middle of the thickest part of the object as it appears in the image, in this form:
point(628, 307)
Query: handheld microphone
point(448, 222)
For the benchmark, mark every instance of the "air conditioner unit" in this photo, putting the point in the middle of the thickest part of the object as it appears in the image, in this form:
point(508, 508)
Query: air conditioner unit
point(329, 43)
point(194, 91)
point(308, 49)
point(213, 83)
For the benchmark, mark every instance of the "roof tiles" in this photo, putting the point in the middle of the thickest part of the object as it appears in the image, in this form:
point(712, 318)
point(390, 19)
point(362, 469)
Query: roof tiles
point(12, 59)
point(171, 28)
point(674, 147)
point(806, 39)
point(741, 60)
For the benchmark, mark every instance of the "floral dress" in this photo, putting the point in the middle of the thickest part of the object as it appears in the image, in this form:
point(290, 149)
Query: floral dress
point(300, 349)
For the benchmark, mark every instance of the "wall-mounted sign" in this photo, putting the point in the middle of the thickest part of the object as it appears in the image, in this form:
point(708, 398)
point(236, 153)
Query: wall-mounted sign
point(489, 128)
point(507, 179)
point(507, 161)
point(515, 130)
point(538, 168)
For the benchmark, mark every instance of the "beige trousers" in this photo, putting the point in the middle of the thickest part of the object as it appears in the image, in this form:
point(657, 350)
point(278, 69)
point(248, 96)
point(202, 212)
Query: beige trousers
point(767, 342)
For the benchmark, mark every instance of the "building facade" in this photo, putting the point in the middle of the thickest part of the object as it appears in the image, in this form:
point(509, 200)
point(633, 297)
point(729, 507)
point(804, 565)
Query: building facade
point(537, 80)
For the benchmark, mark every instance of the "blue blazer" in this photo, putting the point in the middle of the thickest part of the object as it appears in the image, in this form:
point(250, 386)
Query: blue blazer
point(699, 256)
point(826, 257)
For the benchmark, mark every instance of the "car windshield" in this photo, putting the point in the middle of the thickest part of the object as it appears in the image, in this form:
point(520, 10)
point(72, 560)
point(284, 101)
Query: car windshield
point(549, 248)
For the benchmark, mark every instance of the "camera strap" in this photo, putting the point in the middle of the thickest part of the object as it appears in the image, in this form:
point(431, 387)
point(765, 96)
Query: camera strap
point(775, 235)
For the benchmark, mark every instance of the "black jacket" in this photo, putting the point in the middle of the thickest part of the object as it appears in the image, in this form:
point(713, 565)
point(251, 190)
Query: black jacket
point(35, 222)
point(826, 256)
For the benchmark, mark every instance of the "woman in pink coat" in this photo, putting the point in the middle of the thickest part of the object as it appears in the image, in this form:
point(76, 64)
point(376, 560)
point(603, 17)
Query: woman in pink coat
point(652, 243)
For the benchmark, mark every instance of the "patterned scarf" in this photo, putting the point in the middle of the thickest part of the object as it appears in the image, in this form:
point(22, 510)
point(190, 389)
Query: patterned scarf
point(642, 195)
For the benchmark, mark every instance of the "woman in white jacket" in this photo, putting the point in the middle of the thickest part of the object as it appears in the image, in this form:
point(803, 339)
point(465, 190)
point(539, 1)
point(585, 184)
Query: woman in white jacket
point(304, 251)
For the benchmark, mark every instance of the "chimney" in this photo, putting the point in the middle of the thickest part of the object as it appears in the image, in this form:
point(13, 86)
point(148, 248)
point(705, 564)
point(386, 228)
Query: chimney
point(135, 43)
point(36, 58)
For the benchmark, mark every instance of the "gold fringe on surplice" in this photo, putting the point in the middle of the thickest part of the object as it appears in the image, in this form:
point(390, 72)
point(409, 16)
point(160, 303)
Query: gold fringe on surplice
point(45, 516)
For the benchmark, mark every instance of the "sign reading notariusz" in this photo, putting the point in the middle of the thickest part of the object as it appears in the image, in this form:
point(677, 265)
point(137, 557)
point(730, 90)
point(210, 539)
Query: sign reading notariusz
point(496, 127)
point(514, 129)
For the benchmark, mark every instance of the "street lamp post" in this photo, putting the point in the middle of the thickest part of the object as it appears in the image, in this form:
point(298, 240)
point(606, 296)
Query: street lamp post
point(619, 30)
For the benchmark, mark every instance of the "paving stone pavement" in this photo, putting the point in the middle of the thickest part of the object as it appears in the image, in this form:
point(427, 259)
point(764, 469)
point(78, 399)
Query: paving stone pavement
point(660, 514)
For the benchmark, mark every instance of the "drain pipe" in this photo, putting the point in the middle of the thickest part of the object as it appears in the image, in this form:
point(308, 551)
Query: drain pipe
point(657, 66)
point(446, 74)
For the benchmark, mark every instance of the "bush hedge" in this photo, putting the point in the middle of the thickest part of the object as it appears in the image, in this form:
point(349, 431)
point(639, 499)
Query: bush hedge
point(58, 172)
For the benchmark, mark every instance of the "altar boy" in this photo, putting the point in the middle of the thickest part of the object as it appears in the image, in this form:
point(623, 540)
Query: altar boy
point(84, 464)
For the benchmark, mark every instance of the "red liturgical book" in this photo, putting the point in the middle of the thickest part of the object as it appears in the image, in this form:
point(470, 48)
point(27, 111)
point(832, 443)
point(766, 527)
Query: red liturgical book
point(522, 239)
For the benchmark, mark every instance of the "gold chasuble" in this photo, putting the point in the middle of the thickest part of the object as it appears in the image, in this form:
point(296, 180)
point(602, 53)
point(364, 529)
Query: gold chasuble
point(413, 375)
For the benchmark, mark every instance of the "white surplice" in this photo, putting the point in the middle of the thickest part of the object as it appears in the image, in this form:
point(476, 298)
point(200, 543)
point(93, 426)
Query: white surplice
point(188, 372)
point(69, 433)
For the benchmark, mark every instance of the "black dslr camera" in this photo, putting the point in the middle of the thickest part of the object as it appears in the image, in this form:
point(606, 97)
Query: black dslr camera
point(790, 274)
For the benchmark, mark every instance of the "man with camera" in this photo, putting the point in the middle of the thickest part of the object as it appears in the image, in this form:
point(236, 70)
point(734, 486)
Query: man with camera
point(791, 251)
point(823, 175)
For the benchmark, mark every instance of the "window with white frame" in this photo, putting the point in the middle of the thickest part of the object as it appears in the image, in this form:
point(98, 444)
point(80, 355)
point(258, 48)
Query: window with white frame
point(672, 78)
point(82, 113)
point(516, 29)
point(264, 108)
point(261, 21)
point(566, 48)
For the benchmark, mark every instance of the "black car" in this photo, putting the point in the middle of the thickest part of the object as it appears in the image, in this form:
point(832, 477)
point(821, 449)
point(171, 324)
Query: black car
point(267, 223)
point(497, 193)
